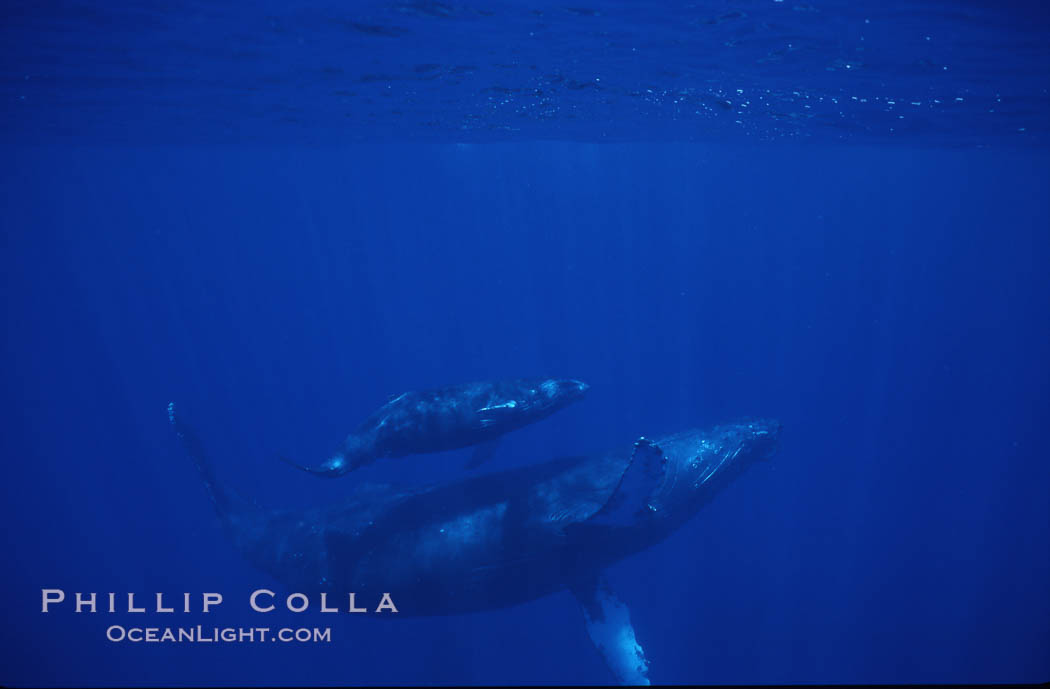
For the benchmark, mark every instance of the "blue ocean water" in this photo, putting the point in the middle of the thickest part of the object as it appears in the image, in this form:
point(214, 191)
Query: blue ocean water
point(278, 214)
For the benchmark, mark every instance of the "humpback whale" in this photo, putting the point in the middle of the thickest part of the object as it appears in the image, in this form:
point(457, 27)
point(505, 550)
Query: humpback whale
point(500, 539)
point(450, 418)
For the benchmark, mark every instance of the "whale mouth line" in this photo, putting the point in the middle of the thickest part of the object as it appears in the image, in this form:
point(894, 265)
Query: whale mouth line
point(706, 476)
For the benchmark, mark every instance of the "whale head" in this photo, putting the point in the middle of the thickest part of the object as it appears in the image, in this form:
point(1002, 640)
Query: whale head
point(701, 462)
point(555, 393)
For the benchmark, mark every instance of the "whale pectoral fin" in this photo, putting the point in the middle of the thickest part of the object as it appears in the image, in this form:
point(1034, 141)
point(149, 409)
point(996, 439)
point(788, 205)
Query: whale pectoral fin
point(330, 468)
point(609, 626)
point(632, 499)
point(292, 463)
point(482, 453)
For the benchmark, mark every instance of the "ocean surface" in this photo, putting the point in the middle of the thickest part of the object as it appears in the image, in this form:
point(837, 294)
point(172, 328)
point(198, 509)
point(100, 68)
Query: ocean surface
point(831, 213)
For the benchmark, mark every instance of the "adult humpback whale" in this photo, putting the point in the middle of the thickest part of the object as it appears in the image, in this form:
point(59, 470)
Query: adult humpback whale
point(449, 418)
point(501, 539)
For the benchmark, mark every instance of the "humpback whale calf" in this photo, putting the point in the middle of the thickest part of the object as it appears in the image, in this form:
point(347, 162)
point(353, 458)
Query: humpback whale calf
point(450, 418)
point(501, 539)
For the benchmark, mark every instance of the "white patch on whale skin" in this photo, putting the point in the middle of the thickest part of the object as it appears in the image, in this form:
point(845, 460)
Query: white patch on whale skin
point(550, 388)
point(465, 533)
point(506, 405)
point(335, 463)
point(488, 416)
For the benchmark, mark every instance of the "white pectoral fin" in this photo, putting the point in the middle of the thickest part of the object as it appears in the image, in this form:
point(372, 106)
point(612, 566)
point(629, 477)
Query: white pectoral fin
point(609, 625)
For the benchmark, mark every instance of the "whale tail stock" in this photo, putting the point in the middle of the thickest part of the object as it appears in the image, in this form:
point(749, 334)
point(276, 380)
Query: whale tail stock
point(234, 512)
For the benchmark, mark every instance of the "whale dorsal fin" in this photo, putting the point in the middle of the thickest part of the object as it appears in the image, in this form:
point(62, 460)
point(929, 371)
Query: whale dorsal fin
point(609, 626)
point(631, 500)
